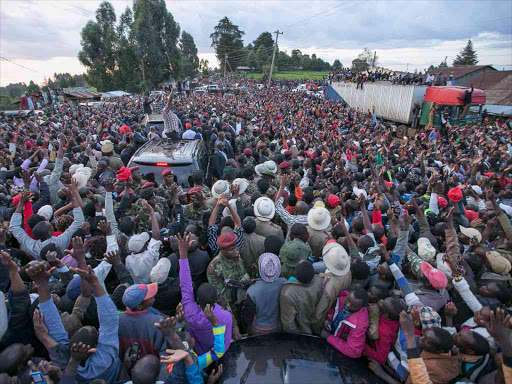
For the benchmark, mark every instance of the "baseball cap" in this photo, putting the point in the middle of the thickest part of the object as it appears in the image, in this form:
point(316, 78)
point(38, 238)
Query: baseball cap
point(436, 278)
point(137, 242)
point(137, 293)
point(160, 271)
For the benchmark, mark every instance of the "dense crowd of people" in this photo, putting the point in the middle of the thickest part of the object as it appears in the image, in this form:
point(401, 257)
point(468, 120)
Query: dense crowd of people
point(396, 78)
point(307, 217)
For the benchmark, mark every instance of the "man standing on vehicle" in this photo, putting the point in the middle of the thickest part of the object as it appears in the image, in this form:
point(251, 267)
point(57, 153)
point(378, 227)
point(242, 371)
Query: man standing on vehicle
point(171, 122)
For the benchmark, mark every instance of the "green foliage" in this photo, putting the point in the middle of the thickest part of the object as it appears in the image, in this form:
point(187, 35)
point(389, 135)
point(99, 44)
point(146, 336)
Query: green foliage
point(365, 61)
point(467, 56)
point(140, 51)
point(190, 60)
point(33, 87)
point(227, 40)
point(337, 64)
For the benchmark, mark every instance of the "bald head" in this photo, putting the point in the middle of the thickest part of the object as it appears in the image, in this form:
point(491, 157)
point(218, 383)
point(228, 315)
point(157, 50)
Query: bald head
point(146, 370)
point(301, 208)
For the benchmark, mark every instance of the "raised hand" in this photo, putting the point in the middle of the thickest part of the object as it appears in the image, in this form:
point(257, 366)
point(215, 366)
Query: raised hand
point(407, 323)
point(215, 376)
point(113, 258)
point(8, 262)
point(104, 227)
point(167, 326)
point(450, 310)
point(88, 275)
point(52, 259)
point(78, 249)
point(25, 198)
point(175, 355)
point(384, 252)
point(109, 185)
point(184, 244)
point(38, 273)
point(208, 312)
point(147, 207)
point(39, 326)
point(80, 351)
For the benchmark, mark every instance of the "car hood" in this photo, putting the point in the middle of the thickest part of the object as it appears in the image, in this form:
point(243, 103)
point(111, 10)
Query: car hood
point(291, 359)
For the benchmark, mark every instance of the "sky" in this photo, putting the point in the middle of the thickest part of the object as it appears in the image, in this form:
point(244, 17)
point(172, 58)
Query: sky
point(43, 36)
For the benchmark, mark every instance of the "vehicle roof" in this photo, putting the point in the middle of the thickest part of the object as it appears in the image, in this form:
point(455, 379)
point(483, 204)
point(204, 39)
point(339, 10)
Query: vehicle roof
point(286, 358)
point(167, 150)
point(453, 95)
point(154, 117)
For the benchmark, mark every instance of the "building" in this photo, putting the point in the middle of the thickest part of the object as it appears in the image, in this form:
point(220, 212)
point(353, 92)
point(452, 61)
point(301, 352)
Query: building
point(496, 84)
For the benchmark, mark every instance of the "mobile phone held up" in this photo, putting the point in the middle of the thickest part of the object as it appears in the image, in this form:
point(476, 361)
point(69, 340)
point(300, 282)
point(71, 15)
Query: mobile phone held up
point(38, 377)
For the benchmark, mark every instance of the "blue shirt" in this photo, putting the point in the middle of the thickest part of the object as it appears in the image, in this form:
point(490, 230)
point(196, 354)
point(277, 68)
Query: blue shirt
point(105, 363)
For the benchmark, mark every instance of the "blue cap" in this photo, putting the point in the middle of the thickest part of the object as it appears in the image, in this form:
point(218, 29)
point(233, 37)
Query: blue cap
point(137, 293)
point(73, 289)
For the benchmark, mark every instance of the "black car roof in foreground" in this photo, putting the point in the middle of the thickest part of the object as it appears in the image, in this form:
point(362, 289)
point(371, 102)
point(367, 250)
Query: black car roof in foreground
point(281, 358)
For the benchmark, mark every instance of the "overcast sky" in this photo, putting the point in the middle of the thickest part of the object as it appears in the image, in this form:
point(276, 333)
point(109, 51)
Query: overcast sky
point(44, 35)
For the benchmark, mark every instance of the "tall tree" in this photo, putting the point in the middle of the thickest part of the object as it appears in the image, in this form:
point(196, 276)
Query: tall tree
point(190, 59)
point(128, 77)
point(227, 40)
point(156, 34)
point(467, 56)
point(98, 53)
point(296, 57)
point(365, 61)
point(33, 87)
point(337, 64)
point(264, 44)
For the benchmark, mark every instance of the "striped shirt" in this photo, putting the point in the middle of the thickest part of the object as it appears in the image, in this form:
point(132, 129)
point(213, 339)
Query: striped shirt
point(288, 218)
point(213, 234)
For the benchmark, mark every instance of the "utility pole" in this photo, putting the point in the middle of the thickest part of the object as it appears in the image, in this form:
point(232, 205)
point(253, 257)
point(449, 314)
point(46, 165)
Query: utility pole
point(225, 63)
point(273, 57)
point(407, 69)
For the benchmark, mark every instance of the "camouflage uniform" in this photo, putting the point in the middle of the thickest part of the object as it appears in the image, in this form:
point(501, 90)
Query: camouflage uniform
point(251, 163)
point(165, 192)
point(271, 192)
point(290, 254)
point(143, 221)
point(220, 269)
point(240, 143)
point(194, 215)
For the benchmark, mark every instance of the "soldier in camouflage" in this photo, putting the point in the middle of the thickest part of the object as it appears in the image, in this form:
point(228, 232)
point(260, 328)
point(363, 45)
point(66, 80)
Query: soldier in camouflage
point(195, 210)
point(228, 265)
point(142, 216)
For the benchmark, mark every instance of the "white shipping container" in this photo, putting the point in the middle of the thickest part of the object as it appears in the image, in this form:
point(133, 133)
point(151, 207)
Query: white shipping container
point(391, 102)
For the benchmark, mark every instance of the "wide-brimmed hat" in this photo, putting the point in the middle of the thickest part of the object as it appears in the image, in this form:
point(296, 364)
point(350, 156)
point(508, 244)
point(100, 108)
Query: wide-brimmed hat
point(319, 218)
point(337, 261)
point(220, 187)
point(243, 183)
point(271, 166)
point(264, 209)
point(260, 169)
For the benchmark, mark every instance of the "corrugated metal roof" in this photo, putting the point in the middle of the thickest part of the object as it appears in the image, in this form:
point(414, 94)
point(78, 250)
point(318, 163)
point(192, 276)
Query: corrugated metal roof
point(461, 71)
point(501, 92)
point(485, 79)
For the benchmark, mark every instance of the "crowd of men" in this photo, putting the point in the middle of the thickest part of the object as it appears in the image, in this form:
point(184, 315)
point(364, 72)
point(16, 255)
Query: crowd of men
point(308, 217)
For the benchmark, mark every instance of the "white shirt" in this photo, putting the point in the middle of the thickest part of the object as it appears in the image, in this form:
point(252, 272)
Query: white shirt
point(189, 134)
point(140, 265)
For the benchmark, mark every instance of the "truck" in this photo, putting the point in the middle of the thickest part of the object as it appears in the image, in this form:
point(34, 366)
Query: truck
point(397, 103)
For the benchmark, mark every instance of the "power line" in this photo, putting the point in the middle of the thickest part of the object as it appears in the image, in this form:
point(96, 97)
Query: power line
point(318, 14)
point(19, 65)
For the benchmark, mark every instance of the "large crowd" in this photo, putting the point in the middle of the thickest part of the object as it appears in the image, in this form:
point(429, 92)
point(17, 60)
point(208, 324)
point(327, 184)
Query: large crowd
point(308, 217)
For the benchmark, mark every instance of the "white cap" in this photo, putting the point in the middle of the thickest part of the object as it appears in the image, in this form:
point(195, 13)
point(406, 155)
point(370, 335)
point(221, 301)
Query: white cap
point(137, 242)
point(160, 271)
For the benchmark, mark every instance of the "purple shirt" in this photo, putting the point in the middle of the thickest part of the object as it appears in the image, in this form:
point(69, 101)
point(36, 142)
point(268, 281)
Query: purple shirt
point(33, 182)
point(199, 326)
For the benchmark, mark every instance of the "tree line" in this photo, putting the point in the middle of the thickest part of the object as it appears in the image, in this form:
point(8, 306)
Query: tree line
point(227, 40)
point(141, 50)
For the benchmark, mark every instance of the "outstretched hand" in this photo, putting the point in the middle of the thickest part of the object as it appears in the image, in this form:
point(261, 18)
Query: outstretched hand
point(167, 326)
point(80, 351)
point(184, 244)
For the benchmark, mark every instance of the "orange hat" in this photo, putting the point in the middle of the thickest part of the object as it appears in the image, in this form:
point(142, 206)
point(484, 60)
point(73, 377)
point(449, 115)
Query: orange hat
point(148, 184)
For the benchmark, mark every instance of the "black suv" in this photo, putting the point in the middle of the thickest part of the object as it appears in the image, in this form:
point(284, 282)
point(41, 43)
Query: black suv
point(184, 157)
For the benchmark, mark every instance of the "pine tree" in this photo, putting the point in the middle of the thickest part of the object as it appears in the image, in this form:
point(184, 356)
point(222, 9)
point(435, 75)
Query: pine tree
point(467, 56)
